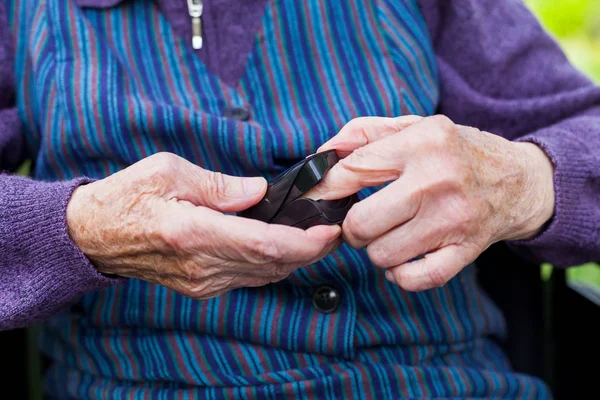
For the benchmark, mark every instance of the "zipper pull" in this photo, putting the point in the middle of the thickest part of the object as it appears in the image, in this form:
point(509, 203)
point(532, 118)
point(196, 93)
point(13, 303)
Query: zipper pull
point(195, 10)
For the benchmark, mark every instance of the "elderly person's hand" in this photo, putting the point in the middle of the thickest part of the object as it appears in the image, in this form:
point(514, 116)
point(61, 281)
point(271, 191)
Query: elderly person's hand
point(162, 220)
point(453, 191)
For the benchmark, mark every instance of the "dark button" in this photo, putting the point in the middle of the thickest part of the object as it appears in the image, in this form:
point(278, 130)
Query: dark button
point(326, 299)
point(239, 113)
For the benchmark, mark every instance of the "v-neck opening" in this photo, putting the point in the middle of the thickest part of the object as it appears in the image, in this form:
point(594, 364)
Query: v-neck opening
point(229, 34)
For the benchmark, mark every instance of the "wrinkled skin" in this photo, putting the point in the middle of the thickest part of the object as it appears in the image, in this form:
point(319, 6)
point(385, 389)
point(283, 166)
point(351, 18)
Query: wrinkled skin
point(452, 192)
point(162, 220)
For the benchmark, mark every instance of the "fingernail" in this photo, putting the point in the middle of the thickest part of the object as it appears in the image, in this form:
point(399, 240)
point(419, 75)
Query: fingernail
point(329, 232)
point(335, 232)
point(314, 193)
point(324, 147)
point(389, 276)
point(253, 186)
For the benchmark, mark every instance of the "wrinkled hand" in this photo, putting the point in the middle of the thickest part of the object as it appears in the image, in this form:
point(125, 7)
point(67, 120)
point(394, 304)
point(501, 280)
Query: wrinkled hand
point(161, 220)
point(453, 191)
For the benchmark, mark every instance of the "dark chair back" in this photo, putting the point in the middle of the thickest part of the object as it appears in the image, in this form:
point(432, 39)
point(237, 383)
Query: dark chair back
point(516, 287)
point(553, 325)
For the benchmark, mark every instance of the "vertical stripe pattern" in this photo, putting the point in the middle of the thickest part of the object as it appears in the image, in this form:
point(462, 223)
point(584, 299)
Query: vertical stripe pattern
point(100, 89)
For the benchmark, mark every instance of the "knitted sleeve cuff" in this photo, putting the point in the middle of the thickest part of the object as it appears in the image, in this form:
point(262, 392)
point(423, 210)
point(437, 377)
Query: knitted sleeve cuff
point(571, 237)
point(41, 269)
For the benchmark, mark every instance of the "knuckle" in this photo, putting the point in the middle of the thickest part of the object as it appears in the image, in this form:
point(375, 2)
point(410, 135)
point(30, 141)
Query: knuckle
point(205, 296)
point(357, 127)
point(443, 123)
point(231, 282)
point(207, 289)
point(444, 131)
point(436, 276)
point(164, 162)
point(252, 282)
point(194, 272)
point(216, 184)
point(356, 124)
point(359, 157)
point(278, 273)
point(356, 224)
point(189, 292)
point(380, 255)
point(259, 282)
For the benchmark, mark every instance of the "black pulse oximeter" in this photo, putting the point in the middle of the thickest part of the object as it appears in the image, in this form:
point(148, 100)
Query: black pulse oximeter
point(283, 205)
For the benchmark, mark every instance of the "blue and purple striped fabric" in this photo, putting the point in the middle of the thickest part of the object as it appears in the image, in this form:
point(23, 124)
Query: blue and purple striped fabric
point(99, 89)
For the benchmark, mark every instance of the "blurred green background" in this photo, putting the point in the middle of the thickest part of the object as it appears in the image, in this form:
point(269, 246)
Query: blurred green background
point(575, 24)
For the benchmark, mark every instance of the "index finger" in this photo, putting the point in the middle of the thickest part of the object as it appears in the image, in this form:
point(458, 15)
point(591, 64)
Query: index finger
point(373, 164)
point(361, 131)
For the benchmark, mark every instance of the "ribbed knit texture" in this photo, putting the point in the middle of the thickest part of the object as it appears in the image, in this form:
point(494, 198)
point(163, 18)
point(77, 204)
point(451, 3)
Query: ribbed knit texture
point(39, 264)
point(575, 225)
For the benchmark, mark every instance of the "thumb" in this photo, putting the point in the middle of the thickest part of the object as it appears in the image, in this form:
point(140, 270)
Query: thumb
point(180, 179)
point(218, 191)
point(227, 193)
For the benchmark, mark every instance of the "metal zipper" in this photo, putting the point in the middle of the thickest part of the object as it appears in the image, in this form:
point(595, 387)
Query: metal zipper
point(195, 10)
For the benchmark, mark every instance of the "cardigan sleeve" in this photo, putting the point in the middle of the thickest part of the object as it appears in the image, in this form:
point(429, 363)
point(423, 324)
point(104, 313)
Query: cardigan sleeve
point(501, 72)
point(41, 270)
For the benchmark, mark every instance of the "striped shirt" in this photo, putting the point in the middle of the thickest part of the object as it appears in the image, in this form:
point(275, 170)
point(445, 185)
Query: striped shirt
point(101, 88)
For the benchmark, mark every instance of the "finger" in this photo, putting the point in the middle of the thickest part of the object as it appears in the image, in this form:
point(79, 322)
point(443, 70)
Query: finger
point(253, 276)
point(227, 193)
point(409, 241)
point(242, 239)
point(326, 251)
point(213, 287)
point(180, 179)
point(278, 271)
point(382, 211)
point(371, 165)
point(432, 271)
point(255, 283)
point(384, 160)
point(250, 275)
point(227, 284)
point(361, 131)
point(286, 245)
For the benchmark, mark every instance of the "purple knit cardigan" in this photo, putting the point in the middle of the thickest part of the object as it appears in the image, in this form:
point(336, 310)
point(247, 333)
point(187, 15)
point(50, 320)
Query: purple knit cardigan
point(499, 71)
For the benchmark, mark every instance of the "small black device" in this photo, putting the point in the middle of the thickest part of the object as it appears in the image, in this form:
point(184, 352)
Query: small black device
point(283, 204)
